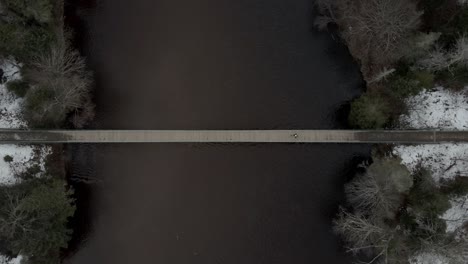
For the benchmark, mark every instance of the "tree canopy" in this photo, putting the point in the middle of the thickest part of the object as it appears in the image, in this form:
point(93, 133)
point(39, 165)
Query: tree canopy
point(33, 219)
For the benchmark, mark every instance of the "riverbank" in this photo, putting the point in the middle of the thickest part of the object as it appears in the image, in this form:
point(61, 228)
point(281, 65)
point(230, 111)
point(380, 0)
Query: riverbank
point(413, 57)
point(44, 84)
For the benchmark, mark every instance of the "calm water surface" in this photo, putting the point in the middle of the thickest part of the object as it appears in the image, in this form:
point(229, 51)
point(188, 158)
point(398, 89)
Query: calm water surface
point(212, 64)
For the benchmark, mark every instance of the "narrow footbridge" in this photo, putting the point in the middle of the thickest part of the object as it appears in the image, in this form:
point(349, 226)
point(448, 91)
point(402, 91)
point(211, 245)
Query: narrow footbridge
point(231, 136)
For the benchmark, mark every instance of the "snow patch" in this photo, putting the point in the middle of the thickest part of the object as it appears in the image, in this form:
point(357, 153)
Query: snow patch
point(5, 260)
point(447, 110)
point(428, 258)
point(10, 104)
point(437, 109)
point(457, 215)
point(444, 160)
point(23, 156)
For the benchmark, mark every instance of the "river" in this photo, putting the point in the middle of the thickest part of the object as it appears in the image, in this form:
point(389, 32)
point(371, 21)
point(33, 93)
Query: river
point(211, 64)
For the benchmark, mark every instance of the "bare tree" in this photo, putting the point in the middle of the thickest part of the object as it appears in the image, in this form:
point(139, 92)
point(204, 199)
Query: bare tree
point(365, 194)
point(61, 85)
point(363, 235)
point(454, 250)
point(435, 60)
point(382, 75)
point(439, 59)
point(377, 192)
point(60, 60)
point(14, 218)
point(54, 98)
point(460, 53)
point(376, 31)
point(420, 45)
point(84, 114)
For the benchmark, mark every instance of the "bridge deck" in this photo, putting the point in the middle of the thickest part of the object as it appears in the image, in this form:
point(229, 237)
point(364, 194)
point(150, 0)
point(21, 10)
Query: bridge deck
point(204, 136)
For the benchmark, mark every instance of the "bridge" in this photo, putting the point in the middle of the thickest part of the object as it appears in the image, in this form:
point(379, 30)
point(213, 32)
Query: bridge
point(12, 136)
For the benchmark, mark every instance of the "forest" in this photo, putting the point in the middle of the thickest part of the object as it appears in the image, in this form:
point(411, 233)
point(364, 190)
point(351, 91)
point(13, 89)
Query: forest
point(407, 204)
point(47, 79)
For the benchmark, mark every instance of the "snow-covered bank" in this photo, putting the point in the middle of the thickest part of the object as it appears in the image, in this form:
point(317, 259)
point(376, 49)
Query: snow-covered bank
point(10, 104)
point(444, 160)
point(22, 158)
point(16, 260)
point(15, 159)
point(438, 109)
point(427, 258)
point(456, 216)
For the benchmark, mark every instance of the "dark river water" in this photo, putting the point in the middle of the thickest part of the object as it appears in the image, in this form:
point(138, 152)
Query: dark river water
point(211, 64)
